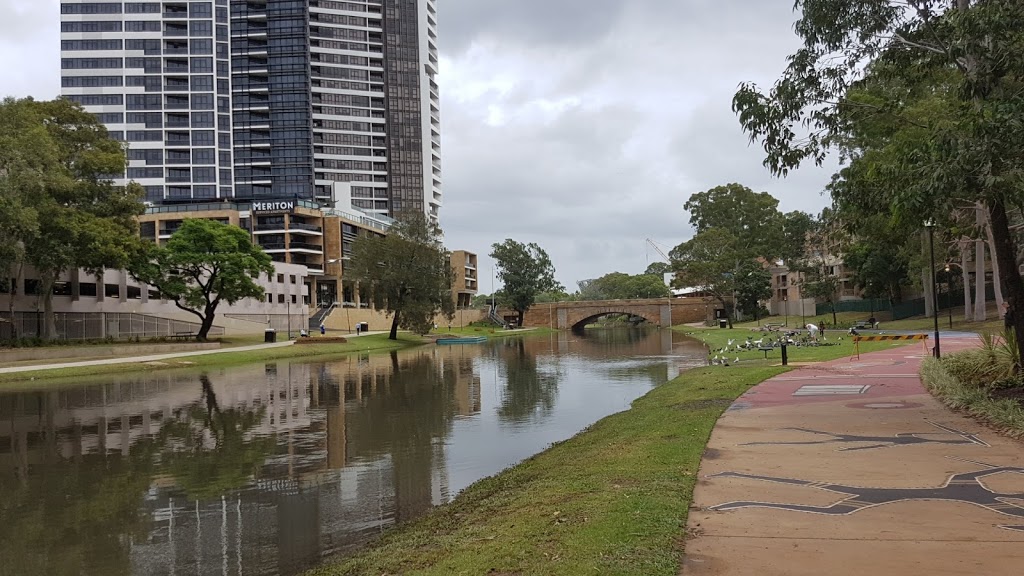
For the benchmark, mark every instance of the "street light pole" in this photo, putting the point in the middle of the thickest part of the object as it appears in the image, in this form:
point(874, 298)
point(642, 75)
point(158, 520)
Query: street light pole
point(930, 225)
point(949, 296)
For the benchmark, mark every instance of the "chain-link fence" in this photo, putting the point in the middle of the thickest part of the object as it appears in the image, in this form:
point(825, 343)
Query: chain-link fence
point(97, 326)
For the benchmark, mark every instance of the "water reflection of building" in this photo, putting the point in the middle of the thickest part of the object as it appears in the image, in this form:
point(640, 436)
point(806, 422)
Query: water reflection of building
point(354, 446)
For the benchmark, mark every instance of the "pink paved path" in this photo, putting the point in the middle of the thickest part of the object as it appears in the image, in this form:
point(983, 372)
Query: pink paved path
point(850, 467)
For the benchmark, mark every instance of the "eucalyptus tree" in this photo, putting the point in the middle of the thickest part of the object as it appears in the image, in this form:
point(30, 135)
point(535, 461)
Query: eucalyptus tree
point(949, 73)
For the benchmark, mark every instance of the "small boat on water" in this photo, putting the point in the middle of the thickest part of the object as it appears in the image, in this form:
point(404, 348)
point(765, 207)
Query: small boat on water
point(462, 340)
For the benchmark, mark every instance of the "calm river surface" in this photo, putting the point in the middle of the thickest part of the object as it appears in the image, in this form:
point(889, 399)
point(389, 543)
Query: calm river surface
point(269, 468)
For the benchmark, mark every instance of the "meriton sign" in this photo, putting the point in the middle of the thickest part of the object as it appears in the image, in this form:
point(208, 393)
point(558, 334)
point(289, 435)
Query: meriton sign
point(274, 206)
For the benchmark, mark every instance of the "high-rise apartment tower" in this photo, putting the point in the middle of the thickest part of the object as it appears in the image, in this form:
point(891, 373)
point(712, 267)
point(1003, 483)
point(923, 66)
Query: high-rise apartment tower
point(318, 100)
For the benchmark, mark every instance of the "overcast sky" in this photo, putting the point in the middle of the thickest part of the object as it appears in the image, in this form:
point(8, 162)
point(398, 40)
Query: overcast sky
point(582, 125)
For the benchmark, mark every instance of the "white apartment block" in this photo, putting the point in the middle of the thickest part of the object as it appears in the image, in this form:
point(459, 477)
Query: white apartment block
point(243, 100)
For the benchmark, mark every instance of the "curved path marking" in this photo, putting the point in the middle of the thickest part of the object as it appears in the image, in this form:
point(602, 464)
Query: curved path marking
point(887, 481)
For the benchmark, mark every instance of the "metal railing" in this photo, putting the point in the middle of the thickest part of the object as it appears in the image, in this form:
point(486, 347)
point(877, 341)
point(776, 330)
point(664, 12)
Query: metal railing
point(97, 326)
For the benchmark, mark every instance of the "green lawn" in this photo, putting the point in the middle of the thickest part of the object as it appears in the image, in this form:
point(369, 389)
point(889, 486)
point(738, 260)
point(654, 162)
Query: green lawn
point(847, 319)
point(611, 500)
point(375, 342)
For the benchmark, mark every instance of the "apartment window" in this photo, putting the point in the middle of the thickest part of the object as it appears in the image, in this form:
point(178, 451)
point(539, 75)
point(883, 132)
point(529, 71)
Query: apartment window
point(204, 175)
point(91, 81)
point(142, 8)
point(201, 65)
point(179, 175)
point(91, 63)
point(295, 300)
point(90, 45)
point(204, 191)
point(202, 28)
point(90, 8)
point(204, 156)
point(202, 138)
point(280, 298)
point(178, 157)
point(87, 289)
point(179, 191)
point(134, 293)
point(147, 230)
point(200, 10)
point(91, 26)
point(202, 83)
point(201, 46)
point(109, 117)
point(148, 47)
point(112, 290)
point(202, 102)
point(151, 83)
point(136, 173)
point(291, 278)
point(176, 101)
point(150, 119)
point(148, 65)
point(142, 26)
point(97, 99)
point(280, 278)
point(270, 298)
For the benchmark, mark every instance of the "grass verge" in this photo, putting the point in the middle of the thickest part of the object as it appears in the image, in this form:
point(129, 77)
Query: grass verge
point(611, 500)
point(717, 338)
point(374, 342)
point(1006, 415)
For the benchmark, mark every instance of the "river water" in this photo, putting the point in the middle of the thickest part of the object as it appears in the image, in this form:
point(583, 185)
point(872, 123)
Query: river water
point(269, 468)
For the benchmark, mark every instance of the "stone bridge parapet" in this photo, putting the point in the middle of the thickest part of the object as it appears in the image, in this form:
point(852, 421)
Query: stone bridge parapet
point(657, 311)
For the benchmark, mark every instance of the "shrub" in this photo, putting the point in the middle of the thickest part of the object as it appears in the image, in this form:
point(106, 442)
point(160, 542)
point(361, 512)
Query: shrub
point(1005, 414)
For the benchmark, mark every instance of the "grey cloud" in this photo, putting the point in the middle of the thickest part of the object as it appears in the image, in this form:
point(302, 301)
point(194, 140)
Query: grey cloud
point(525, 22)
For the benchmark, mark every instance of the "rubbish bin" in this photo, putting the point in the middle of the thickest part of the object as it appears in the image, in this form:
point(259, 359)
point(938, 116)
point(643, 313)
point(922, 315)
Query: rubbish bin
point(723, 323)
point(270, 335)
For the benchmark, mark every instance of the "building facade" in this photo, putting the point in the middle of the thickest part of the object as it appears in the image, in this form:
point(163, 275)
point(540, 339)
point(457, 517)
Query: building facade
point(264, 100)
point(464, 265)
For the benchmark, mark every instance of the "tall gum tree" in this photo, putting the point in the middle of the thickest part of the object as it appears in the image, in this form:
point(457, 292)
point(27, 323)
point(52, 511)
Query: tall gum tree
point(526, 271)
point(973, 153)
point(60, 173)
point(408, 273)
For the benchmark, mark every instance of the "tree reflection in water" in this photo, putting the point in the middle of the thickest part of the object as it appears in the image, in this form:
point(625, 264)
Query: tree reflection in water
point(72, 515)
point(529, 392)
point(209, 450)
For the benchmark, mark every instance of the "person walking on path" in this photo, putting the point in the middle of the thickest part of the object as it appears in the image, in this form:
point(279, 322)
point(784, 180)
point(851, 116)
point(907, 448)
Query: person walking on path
point(323, 329)
point(1008, 318)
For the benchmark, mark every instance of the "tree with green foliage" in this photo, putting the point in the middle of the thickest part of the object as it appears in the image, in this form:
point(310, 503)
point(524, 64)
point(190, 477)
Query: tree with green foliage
point(203, 264)
point(620, 286)
point(61, 209)
point(753, 285)
point(710, 262)
point(658, 269)
point(821, 285)
point(526, 271)
point(945, 75)
point(752, 218)
point(407, 272)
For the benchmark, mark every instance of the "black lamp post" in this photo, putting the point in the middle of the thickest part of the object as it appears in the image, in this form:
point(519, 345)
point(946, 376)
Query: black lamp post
point(930, 225)
point(949, 295)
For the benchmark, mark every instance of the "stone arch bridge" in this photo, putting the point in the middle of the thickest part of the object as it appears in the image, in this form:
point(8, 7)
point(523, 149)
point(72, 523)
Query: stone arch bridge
point(656, 311)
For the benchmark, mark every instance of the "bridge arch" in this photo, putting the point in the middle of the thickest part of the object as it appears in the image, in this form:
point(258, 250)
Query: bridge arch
point(579, 324)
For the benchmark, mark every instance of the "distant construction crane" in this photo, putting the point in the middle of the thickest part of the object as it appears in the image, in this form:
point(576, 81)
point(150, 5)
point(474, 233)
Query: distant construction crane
point(659, 250)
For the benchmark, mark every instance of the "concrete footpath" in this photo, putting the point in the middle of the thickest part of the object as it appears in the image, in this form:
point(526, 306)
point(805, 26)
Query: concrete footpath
point(139, 359)
point(849, 468)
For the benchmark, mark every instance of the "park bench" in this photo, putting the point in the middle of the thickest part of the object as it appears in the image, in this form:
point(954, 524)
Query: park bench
point(182, 336)
point(766, 350)
point(862, 325)
point(773, 326)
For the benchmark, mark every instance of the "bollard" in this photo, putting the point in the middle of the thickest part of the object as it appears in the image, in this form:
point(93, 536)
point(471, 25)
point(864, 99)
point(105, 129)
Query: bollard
point(785, 356)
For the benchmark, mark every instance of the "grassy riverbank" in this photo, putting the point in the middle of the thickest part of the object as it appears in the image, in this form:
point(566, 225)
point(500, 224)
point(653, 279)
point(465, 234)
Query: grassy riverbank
point(374, 342)
point(611, 500)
